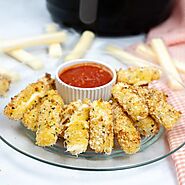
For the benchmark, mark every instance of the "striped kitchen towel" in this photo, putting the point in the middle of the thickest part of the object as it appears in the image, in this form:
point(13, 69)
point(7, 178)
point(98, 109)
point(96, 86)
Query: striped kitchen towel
point(172, 31)
point(176, 136)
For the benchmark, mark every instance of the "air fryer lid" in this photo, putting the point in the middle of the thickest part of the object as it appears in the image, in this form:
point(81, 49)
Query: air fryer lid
point(108, 17)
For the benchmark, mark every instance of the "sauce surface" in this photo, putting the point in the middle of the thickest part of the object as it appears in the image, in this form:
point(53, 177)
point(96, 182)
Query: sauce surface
point(86, 75)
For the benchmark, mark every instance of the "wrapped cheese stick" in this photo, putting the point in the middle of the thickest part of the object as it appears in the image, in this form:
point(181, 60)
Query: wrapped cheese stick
point(44, 39)
point(49, 119)
point(130, 100)
point(126, 57)
point(82, 46)
point(11, 75)
point(101, 127)
point(26, 58)
point(77, 133)
point(166, 62)
point(147, 52)
point(127, 136)
point(55, 49)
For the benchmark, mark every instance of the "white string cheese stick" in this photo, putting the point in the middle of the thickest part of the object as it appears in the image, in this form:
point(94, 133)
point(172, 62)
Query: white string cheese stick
point(179, 65)
point(83, 44)
point(44, 39)
point(126, 57)
point(12, 75)
point(26, 58)
point(166, 62)
point(55, 49)
point(147, 52)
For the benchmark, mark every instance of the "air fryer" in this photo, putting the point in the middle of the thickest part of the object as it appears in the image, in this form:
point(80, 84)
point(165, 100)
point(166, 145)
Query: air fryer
point(110, 17)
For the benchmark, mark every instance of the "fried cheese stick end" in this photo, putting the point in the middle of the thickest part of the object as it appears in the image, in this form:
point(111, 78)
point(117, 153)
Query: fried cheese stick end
point(4, 85)
point(101, 127)
point(163, 112)
point(28, 98)
point(77, 133)
point(66, 115)
point(49, 119)
point(159, 109)
point(147, 127)
point(126, 134)
point(138, 75)
point(130, 100)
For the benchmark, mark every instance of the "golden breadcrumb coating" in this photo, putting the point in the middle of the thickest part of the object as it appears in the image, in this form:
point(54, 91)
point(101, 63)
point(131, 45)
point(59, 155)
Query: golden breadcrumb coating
point(4, 85)
point(66, 115)
point(77, 133)
point(126, 134)
point(147, 126)
point(138, 75)
point(28, 98)
point(30, 117)
point(101, 127)
point(130, 100)
point(161, 110)
point(49, 119)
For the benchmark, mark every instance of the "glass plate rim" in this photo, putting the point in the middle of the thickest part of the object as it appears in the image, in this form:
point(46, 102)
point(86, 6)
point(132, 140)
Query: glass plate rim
point(90, 169)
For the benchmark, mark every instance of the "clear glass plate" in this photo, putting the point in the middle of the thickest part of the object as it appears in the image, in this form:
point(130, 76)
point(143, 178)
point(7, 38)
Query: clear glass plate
point(22, 140)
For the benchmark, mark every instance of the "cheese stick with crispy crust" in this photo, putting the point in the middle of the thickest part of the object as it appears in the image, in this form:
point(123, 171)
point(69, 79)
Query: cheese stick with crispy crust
point(30, 117)
point(4, 85)
point(49, 119)
point(147, 126)
point(126, 134)
point(101, 127)
point(161, 110)
point(77, 133)
point(138, 75)
point(28, 98)
point(66, 115)
point(131, 102)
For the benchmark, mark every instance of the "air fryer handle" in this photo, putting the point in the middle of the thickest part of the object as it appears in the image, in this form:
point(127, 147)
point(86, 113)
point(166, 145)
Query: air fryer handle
point(88, 11)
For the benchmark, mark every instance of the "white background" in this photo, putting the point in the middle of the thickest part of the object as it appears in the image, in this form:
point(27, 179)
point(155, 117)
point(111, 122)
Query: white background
point(23, 18)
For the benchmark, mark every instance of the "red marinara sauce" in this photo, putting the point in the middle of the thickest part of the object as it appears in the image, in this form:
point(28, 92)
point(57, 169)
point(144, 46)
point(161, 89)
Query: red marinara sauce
point(86, 75)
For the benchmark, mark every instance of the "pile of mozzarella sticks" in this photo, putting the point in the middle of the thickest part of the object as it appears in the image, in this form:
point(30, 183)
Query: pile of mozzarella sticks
point(134, 111)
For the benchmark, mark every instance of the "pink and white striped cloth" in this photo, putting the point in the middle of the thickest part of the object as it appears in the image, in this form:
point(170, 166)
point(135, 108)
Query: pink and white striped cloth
point(176, 136)
point(172, 31)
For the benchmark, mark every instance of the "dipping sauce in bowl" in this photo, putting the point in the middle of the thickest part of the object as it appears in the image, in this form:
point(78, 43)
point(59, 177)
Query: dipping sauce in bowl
point(85, 78)
point(86, 75)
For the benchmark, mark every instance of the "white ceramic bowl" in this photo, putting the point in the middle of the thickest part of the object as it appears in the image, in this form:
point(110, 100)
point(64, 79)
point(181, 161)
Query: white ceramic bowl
point(70, 93)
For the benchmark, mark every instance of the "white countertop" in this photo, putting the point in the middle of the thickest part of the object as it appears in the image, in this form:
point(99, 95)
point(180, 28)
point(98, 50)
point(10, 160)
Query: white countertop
point(24, 18)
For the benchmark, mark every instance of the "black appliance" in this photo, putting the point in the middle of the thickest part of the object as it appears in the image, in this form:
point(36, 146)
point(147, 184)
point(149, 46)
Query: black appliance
point(110, 17)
